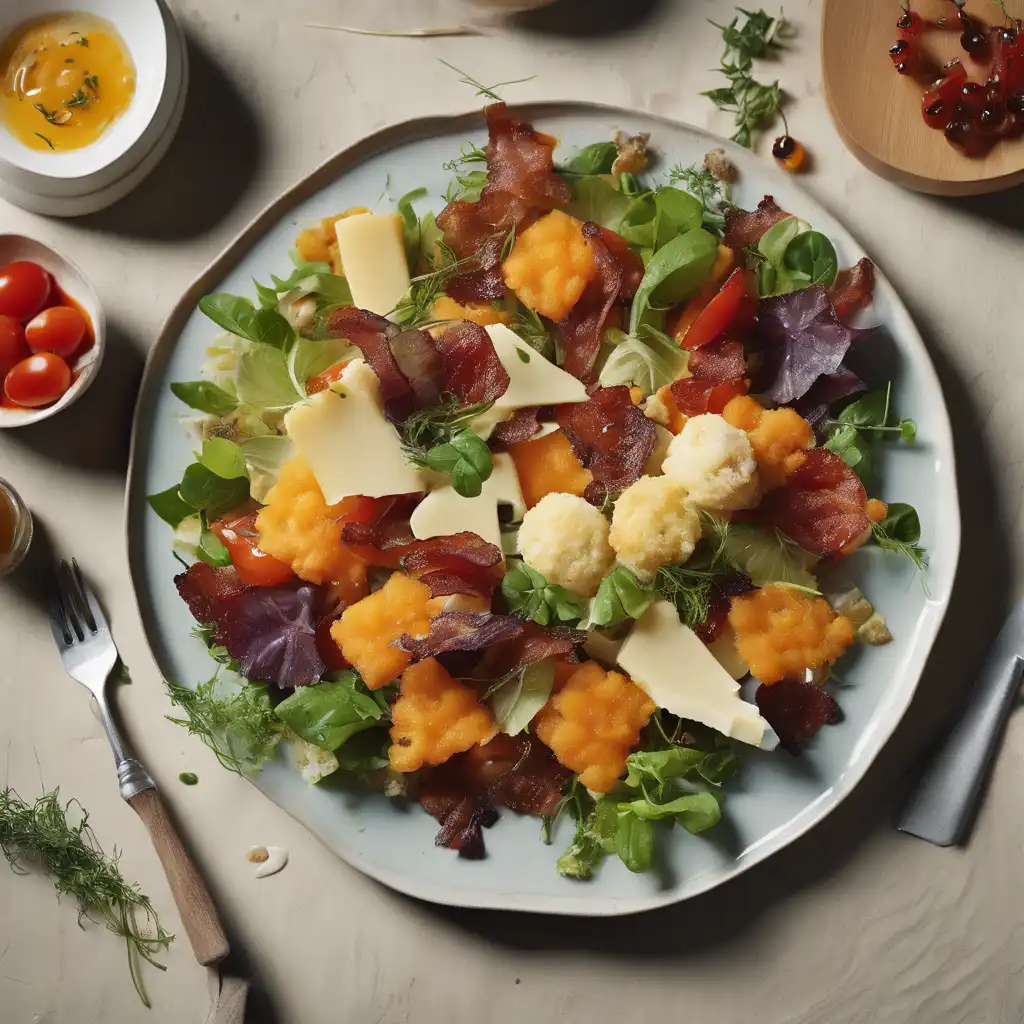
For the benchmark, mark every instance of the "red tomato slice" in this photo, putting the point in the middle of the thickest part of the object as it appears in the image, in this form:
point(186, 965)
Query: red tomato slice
point(719, 314)
point(24, 289)
point(39, 380)
point(322, 381)
point(59, 329)
point(724, 393)
point(12, 344)
point(238, 535)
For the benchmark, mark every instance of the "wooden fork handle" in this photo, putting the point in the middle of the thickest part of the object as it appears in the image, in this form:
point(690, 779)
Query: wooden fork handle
point(195, 905)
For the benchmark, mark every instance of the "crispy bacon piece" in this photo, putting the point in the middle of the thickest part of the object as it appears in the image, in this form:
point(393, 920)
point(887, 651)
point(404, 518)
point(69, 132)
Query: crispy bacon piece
point(461, 631)
point(515, 772)
point(611, 437)
point(718, 375)
point(521, 427)
point(472, 370)
point(406, 363)
point(747, 227)
point(521, 182)
point(461, 563)
point(629, 260)
point(795, 710)
point(853, 288)
point(822, 506)
point(582, 330)
point(203, 588)
point(533, 644)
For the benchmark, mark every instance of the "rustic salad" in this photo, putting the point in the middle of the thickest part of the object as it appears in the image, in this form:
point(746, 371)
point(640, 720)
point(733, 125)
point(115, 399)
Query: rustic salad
point(499, 508)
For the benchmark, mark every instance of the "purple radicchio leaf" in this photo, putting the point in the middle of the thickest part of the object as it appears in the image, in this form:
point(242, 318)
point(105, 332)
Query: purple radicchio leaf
point(802, 339)
point(272, 633)
point(824, 392)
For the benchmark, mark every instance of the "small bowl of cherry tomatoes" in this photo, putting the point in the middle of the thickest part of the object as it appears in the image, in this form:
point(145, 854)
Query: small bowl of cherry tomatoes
point(52, 332)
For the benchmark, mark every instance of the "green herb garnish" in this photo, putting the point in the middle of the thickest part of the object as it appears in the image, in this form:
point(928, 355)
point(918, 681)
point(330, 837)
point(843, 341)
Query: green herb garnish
point(239, 727)
point(688, 589)
point(69, 854)
point(40, 135)
point(531, 596)
point(749, 35)
point(417, 305)
point(900, 531)
point(853, 433)
point(489, 91)
point(705, 187)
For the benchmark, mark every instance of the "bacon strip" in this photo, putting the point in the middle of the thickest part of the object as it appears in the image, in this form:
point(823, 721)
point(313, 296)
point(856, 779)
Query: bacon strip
point(203, 588)
point(521, 427)
point(747, 227)
point(611, 437)
point(462, 563)
point(796, 711)
point(472, 370)
point(461, 631)
point(582, 330)
point(466, 546)
point(853, 288)
point(392, 353)
point(533, 644)
point(822, 506)
point(718, 374)
point(520, 183)
point(516, 772)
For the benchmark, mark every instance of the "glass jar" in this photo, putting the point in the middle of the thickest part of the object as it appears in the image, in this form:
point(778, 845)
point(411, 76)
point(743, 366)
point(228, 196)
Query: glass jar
point(15, 529)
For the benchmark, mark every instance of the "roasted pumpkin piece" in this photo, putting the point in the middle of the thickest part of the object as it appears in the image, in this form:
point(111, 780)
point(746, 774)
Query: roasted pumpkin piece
point(446, 308)
point(548, 465)
point(593, 722)
point(434, 717)
point(550, 265)
point(367, 630)
point(781, 633)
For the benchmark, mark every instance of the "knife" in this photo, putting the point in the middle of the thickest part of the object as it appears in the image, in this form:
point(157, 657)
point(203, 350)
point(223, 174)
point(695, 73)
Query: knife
point(942, 806)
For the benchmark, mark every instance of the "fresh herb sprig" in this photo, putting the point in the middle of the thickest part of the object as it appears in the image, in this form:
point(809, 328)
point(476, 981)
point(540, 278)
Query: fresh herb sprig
point(416, 307)
point(439, 438)
point(488, 91)
point(852, 434)
point(40, 833)
point(704, 186)
point(749, 35)
point(690, 590)
point(48, 141)
point(900, 532)
point(239, 727)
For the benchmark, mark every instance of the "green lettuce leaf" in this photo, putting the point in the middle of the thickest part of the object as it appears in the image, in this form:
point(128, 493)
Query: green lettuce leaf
point(330, 712)
point(674, 273)
point(515, 704)
point(649, 362)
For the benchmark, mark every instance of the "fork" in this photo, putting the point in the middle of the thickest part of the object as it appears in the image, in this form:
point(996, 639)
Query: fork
point(89, 655)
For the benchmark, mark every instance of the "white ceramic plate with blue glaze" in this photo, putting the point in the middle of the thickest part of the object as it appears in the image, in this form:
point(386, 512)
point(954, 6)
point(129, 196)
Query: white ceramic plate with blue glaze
point(776, 798)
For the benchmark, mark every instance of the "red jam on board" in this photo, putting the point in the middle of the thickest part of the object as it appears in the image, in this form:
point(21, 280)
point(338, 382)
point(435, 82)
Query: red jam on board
point(973, 115)
point(58, 297)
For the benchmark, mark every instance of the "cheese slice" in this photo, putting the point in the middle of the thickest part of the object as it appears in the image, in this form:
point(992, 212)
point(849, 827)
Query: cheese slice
point(444, 511)
point(372, 251)
point(349, 445)
point(662, 439)
point(670, 663)
point(533, 380)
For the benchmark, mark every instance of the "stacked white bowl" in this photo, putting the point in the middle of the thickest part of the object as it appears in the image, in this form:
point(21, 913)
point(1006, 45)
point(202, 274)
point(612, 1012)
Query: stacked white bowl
point(85, 180)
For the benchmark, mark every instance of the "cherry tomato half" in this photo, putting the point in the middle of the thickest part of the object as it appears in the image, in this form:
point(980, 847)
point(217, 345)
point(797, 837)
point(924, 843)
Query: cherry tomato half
point(24, 289)
point(238, 534)
point(39, 380)
point(59, 329)
point(12, 344)
point(720, 313)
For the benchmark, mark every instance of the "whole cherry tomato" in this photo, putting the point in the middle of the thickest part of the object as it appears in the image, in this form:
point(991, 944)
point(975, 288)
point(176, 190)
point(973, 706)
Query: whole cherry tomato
point(12, 344)
point(39, 380)
point(238, 534)
point(24, 289)
point(59, 329)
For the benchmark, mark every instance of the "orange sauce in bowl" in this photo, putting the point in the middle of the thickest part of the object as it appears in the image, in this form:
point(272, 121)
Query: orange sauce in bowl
point(64, 80)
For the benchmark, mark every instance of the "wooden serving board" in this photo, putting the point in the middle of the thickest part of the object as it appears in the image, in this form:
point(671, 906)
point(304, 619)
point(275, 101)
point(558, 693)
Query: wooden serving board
point(878, 112)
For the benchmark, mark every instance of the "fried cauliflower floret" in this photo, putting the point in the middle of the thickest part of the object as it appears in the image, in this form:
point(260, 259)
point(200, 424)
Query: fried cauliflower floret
point(367, 630)
point(434, 717)
point(654, 524)
point(550, 265)
point(446, 308)
point(298, 527)
point(781, 632)
point(593, 722)
point(565, 539)
point(714, 461)
point(779, 437)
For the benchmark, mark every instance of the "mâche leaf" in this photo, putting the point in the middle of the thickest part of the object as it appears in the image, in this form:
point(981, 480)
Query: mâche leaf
point(205, 396)
point(674, 273)
point(597, 158)
point(329, 713)
point(170, 507)
point(528, 594)
point(620, 596)
point(900, 531)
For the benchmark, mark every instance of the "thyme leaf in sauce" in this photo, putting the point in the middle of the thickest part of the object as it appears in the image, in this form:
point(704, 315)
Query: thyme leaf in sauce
point(45, 139)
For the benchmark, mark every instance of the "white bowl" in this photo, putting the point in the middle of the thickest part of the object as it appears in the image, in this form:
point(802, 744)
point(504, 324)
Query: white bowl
point(152, 147)
point(76, 285)
point(157, 50)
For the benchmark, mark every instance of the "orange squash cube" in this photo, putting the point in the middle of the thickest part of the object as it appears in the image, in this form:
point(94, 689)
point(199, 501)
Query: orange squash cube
point(547, 465)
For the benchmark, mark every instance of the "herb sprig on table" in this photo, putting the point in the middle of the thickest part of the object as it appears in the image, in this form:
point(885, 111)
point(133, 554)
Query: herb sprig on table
point(749, 35)
point(69, 854)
